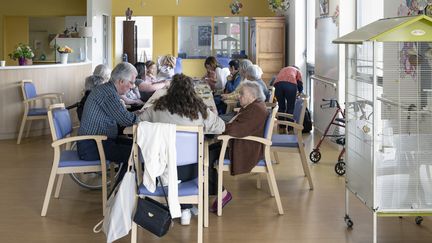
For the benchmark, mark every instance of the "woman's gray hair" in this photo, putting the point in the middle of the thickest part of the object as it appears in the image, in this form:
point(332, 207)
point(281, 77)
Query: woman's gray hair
point(244, 63)
point(254, 72)
point(101, 75)
point(254, 88)
point(123, 71)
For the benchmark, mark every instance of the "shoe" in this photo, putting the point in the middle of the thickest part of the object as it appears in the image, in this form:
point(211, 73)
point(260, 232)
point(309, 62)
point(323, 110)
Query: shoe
point(225, 201)
point(194, 210)
point(185, 217)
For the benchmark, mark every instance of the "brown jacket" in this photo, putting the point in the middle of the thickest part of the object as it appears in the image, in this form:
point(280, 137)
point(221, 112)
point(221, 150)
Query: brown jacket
point(249, 122)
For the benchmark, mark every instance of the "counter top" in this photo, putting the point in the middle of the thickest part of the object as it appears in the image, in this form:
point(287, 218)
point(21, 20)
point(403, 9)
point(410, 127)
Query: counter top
point(34, 66)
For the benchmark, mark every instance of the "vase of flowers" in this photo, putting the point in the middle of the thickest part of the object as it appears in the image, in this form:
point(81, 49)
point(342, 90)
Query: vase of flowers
point(279, 6)
point(64, 52)
point(22, 52)
point(235, 7)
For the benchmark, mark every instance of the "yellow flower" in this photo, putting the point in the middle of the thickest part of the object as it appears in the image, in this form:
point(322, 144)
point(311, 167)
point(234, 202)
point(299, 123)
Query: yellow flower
point(64, 49)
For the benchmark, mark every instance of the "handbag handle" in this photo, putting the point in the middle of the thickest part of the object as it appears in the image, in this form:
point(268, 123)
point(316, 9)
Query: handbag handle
point(163, 189)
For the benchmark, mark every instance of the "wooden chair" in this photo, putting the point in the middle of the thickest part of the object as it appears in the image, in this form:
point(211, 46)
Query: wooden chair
point(31, 112)
point(272, 91)
point(290, 142)
point(67, 161)
point(189, 146)
point(263, 166)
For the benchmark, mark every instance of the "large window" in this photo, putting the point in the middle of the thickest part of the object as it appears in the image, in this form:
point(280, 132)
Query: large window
point(144, 27)
point(197, 38)
point(194, 37)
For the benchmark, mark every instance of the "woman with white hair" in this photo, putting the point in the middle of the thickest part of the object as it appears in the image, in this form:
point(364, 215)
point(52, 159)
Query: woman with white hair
point(254, 73)
point(250, 121)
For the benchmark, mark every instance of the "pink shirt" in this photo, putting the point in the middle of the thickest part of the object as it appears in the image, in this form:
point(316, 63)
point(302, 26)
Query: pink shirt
point(289, 74)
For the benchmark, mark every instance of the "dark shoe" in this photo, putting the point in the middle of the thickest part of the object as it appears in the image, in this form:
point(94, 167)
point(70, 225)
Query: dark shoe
point(225, 201)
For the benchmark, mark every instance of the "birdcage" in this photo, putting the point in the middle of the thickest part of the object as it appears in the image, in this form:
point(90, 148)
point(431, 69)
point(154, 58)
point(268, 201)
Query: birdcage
point(389, 117)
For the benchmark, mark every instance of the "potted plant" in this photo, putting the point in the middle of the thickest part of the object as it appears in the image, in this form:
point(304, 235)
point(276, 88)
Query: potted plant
point(64, 51)
point(22, 52)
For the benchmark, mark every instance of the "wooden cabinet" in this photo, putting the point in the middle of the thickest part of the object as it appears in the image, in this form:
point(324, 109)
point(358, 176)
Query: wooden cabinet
point(267, 44)
point(130, 40)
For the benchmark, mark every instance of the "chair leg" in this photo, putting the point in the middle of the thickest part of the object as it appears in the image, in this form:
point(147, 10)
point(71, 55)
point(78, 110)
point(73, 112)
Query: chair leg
point(21, 129)
point(206, 193)
point(219, 195)
point(259, 185)
point(134, 233)
point(270, 185)
point(305, 166)
point(275, 189)
point(276, 156)
point(59, 184)
point(28, 128)
point(48, 191)
point(200, 217)
point(104, 191)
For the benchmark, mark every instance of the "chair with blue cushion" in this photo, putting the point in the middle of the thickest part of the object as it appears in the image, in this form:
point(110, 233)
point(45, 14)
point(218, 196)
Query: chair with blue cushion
point(263, 166)
point(190, 148)
point(66, 161)
point(293, 142)
point(31, 110)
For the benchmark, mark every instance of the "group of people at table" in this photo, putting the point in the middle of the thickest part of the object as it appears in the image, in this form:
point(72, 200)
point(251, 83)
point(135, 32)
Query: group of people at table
point(103, 110)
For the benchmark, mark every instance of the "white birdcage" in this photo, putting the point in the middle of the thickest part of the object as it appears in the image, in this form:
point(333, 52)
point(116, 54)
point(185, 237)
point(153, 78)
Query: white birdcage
point(389, 117)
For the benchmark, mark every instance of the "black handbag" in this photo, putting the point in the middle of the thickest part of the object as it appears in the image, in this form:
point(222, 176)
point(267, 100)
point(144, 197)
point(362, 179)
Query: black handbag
point(153, 215)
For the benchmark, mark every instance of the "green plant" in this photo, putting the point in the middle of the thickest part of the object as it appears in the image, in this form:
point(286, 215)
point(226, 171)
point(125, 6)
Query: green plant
point(22, 51)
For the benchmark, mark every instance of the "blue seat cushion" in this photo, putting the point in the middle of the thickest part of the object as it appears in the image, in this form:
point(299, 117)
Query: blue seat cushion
point(188, 188)
point(69, 158)
point(260, 163)
point(284, 140)
point(37, 112)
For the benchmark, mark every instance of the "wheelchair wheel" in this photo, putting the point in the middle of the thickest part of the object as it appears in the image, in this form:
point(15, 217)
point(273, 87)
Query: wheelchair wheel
point(340, 168)
point(315, 156)
point(93, 180)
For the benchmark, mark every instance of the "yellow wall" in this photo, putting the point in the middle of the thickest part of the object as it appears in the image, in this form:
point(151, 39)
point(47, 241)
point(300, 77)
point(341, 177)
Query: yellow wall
point(11, 25)
point(37, 8)
point(165, 14)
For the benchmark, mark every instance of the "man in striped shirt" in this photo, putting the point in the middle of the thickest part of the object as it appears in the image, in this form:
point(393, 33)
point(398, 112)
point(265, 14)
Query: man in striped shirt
point(103, 112)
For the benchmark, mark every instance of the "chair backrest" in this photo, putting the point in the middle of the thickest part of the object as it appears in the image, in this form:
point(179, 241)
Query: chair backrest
point(300, 109)
point(272, 91)
point(28, 89)
point(59, 121)
point(268, 130)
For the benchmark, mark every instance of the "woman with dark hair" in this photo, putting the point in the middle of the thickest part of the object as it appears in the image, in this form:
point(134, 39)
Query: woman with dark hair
point(182, 106)
point(216, 76)
point(146, 80)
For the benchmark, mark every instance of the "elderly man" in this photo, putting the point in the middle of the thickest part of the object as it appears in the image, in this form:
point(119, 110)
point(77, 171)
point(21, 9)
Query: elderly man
point(103, 112)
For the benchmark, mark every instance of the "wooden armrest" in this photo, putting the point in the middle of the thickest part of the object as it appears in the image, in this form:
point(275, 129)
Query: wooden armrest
point(226, 138)
point(282, 114)
point(42, 97)
point(56, 94)
point(291, 124)
point(230, 102)
point(237, 109)
point(97, 138)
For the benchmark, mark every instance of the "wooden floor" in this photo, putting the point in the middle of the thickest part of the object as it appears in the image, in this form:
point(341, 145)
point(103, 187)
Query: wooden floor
point(310, 216)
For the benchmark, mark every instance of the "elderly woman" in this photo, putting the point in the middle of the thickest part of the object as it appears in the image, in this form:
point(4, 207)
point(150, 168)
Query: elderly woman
point(216, 76)
point(254, 73)
point(182, 106)
point(101, 75)
point(146, 80)
point(250, 121)
point(166, 69)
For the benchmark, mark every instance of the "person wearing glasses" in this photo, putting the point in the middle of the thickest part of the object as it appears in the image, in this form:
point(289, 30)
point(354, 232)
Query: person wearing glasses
point(103, 112)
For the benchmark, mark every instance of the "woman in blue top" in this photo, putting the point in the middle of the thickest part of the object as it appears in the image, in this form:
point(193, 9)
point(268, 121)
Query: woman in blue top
point(233, 80)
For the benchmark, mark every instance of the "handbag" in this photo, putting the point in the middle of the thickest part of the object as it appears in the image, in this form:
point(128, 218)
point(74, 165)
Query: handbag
point(153, 215)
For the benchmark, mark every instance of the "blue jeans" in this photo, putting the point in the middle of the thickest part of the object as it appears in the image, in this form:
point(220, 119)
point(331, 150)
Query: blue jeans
point(116, 150)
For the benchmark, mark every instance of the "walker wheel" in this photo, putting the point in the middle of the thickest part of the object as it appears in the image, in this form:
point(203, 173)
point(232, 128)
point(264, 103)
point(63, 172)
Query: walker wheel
point(340, 168)
point(419, 220)
point(315, 156)
point(348, 221)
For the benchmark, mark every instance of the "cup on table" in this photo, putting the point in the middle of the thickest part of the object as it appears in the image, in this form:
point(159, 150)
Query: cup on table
point(2, 63)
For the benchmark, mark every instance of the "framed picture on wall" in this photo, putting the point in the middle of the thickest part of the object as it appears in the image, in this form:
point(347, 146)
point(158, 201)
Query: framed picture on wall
point(204, 35)
point(324, 7)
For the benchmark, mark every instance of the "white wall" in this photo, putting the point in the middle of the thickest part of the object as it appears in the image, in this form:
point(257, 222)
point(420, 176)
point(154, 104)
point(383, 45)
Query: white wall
point(95, 11)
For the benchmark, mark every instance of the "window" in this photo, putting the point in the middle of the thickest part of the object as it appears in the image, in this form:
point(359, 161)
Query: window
point(196, 36)
point(144, 27)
